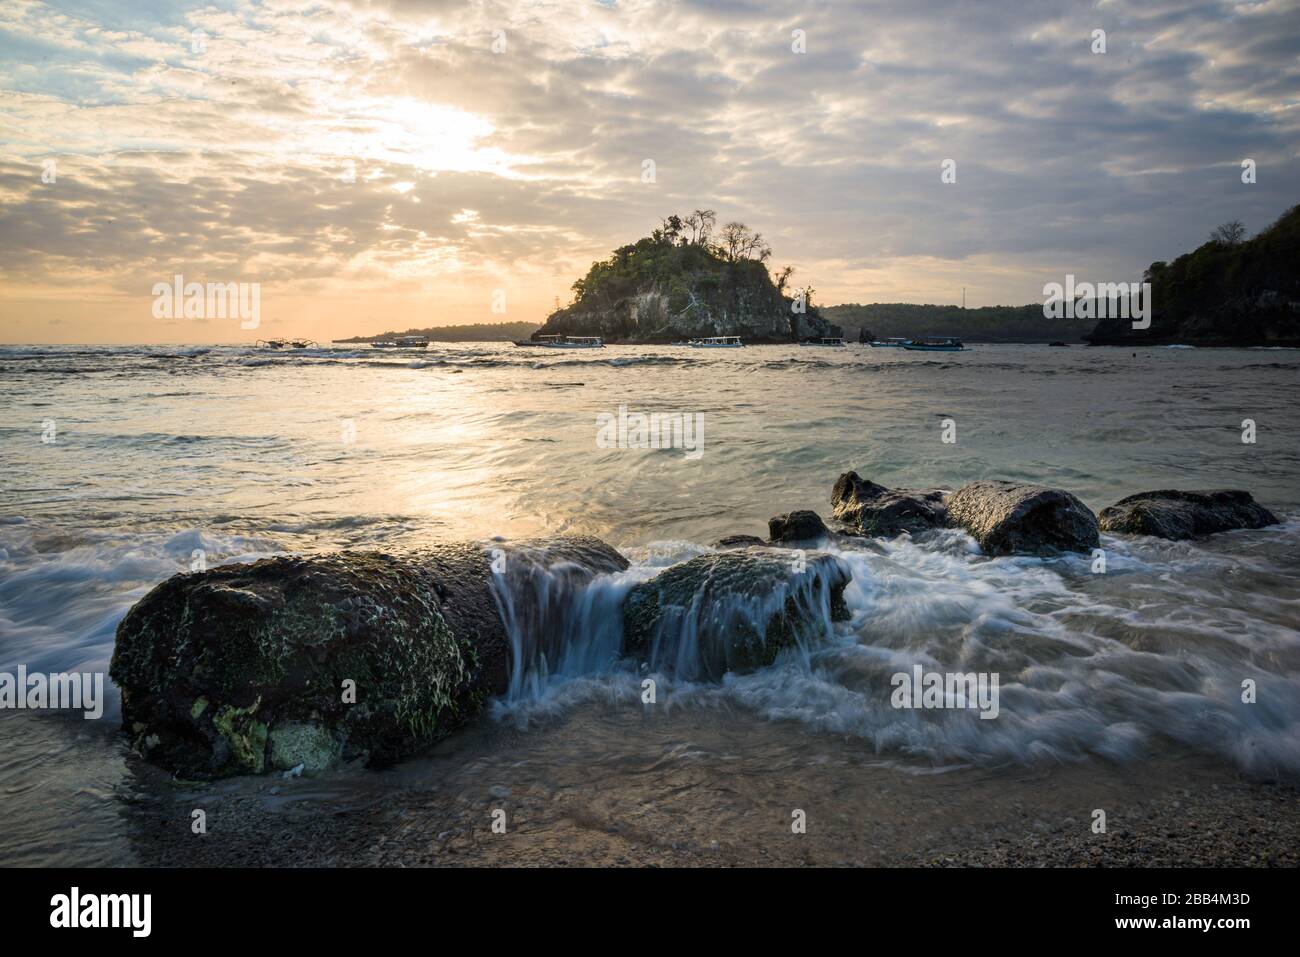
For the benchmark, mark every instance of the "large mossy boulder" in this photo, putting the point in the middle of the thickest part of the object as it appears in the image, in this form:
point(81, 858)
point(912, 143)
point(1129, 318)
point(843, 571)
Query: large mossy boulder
point(879, 511)
point(1175, 514)
point(316, 660)
point(1012, 517)
point(733, 610)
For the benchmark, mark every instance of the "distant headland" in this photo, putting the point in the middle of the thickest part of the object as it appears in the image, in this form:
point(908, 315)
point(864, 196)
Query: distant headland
point(1230, 291)
point(475, 332)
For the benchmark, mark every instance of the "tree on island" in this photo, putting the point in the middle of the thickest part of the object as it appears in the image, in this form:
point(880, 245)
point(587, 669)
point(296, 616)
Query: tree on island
point(1230, 233)
point(741, 242)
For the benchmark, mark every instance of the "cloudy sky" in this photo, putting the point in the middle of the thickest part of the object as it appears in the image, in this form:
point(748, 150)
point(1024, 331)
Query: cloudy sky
point(381, 164)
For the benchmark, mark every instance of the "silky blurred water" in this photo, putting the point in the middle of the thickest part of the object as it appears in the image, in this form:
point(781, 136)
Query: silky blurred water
point(124, 465)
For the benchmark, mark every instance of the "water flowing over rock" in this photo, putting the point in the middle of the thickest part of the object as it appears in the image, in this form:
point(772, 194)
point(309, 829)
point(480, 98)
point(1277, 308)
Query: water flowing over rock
point(1007, 517)
point(733, 611)
point(876, 510)
point(560, 609)
point(246, 667)
point(1171, 513)
point(796, 527)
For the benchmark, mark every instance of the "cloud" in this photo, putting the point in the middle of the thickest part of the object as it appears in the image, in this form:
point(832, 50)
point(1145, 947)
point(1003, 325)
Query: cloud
point(263, 142)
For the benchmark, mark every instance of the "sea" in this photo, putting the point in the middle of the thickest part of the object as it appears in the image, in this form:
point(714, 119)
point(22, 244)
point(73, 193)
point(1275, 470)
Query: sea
point(124, 465)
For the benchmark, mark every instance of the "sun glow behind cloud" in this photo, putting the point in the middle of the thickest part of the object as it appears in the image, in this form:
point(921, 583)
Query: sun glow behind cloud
point(410, 132)
point(413, 158)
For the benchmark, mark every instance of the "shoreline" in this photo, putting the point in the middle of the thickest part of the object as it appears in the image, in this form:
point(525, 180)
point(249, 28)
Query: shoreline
point(655, 798)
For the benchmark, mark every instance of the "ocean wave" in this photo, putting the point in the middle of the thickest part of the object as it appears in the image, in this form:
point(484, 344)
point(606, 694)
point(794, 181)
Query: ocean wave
point(1084, 671)
point(62, 597)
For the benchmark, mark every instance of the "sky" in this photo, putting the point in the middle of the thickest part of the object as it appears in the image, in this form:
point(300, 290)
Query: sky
point(373, 165)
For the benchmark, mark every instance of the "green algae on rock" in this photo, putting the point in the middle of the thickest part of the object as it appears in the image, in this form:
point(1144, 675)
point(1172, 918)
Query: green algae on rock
point(215, 665)
point(318, 660)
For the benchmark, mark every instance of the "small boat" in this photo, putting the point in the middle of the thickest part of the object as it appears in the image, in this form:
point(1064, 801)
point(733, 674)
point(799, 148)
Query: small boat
point(403, 342)
point(287, 344)
point(935, 344)
point(568, 342)
point(716, 342)
point(563, 342)
point(889, 343)
point(832, 341)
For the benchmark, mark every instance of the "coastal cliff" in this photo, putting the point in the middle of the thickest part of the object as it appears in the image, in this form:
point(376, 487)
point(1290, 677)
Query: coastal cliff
point(1230, 291)
point(683, 282)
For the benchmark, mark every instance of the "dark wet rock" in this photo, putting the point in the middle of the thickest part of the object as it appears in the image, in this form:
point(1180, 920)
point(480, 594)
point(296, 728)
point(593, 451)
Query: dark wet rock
point(876, 510)
point(737, 541)
point(1007, 517)
point(733, 611)
point(241, 668)
point(800, 526)
point(1171, 513)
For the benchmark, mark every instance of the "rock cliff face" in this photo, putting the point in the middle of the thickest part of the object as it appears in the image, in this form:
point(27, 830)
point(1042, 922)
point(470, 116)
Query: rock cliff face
point(658, 290)
point(1222, 294)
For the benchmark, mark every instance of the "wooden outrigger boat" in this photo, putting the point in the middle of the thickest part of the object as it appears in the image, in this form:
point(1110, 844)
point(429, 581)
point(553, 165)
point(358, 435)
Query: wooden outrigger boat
point(403, 342)
point(287, 344)
point(716, 342)
point(564, 342)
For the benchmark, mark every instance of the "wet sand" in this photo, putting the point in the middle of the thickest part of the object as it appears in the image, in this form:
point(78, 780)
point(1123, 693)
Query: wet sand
point(603, 787)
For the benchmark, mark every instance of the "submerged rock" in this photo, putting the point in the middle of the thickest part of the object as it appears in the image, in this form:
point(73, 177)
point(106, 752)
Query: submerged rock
point(800, 526)
point(317, 660)
point(733, 611)
point(1171, 513)
point(1006, 517)
point(876, 510)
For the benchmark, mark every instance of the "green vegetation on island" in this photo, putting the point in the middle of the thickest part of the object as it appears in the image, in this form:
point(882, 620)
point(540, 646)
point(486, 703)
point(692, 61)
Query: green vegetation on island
point(1230, 291)
point(690, 278)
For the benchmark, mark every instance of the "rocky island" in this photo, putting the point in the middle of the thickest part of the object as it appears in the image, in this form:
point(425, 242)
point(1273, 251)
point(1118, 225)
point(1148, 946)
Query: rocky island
point(690, 279)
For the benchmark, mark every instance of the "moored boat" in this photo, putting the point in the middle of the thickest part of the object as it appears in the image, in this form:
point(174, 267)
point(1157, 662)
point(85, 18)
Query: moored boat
point(888, 343)
point(716, 342)
point(935, 344)
point(402, 342)
point(287, 344)
point(829, 341)
point(564, 342)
